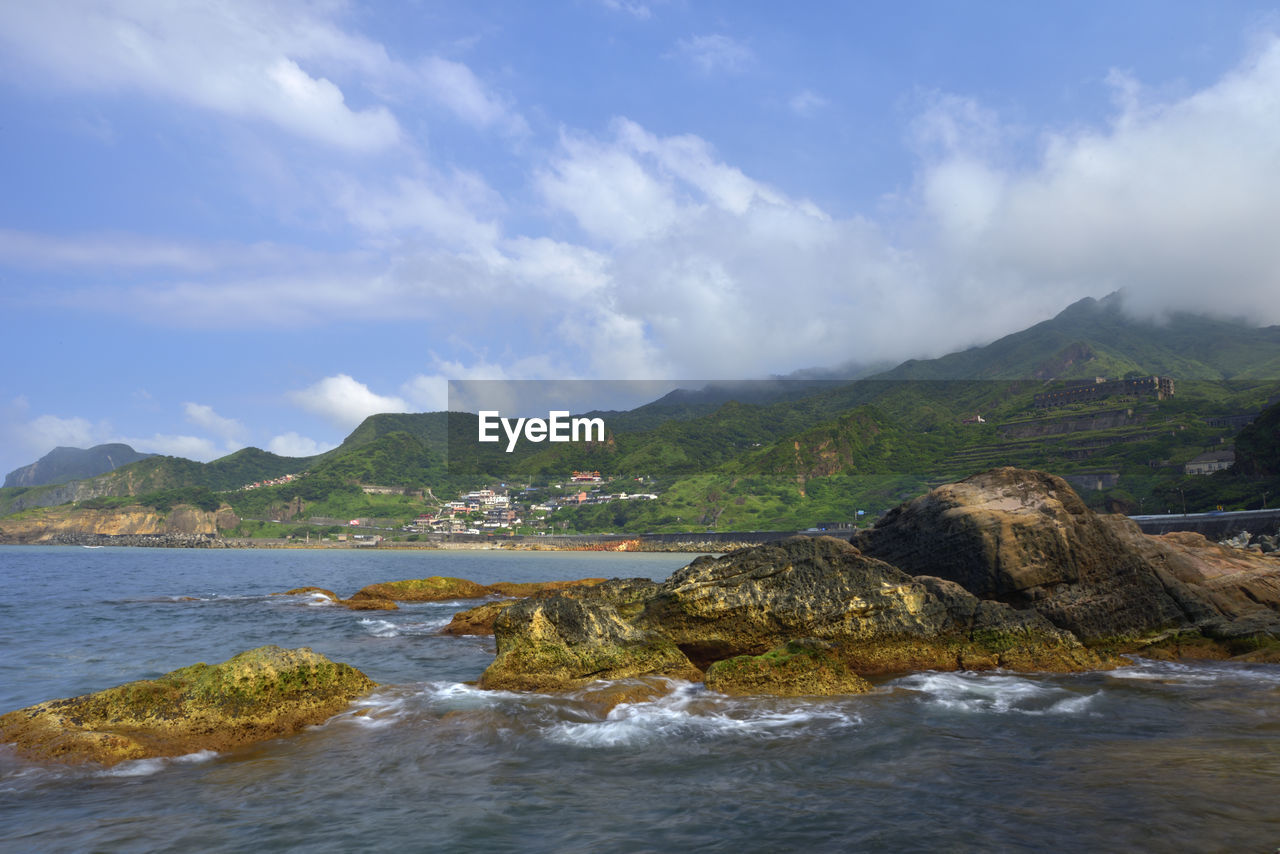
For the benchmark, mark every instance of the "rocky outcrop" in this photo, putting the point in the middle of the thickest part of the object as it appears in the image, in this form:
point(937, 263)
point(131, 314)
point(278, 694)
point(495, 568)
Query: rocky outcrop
point(570, 639)
point(1006, 569)
point(440, 588)
point(78, 526)
point(349, 604)
point(437, 588)
point(260, 694)
point(858, 615)
point(1026, 539)
point(521, 589)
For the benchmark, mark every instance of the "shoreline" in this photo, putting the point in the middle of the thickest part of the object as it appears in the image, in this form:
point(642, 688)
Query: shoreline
point(703, 543)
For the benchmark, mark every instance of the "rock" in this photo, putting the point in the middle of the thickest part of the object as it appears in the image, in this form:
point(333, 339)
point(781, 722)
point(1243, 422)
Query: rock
point(753, 602)
point(799, 668)
point(369, 604)
point(568, 640)
point(602, 697)
point(434, 589)
point(478, 620)
point(305, 591)
point(260, 694)
point(1026, 539)
point(1234, 583)
point(1239, 541)
point(520, 590)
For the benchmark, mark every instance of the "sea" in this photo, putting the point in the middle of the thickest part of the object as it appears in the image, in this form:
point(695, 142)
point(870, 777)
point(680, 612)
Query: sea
point(1151, 757)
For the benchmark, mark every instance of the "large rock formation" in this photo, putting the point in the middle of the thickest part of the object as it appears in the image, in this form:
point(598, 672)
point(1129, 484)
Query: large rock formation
point(1026, 539)
point(1008, 569)
point(263, 693)
point(863, 614)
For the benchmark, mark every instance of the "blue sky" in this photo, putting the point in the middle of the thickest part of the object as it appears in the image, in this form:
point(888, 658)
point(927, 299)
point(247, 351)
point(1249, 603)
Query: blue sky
point(254, 223)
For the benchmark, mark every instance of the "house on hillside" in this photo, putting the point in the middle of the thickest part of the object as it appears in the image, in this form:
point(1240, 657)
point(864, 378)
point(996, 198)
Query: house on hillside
point(1211, 461)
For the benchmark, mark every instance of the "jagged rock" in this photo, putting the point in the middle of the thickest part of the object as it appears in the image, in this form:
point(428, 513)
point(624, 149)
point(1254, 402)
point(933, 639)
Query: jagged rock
point(875, 617)
point(259, 694)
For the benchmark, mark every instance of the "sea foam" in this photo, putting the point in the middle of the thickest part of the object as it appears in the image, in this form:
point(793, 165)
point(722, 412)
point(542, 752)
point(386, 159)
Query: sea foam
point(692, 712)
point(998, 693)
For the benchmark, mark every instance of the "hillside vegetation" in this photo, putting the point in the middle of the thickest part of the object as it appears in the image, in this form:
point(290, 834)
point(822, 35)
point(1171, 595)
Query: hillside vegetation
point(790, 454)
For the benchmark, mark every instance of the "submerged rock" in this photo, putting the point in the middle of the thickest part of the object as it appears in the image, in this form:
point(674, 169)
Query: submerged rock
point(366, 604)
point(259, 694)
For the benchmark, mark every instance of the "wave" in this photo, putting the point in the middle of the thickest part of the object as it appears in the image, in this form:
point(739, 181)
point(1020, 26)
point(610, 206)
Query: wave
point(380, 628)
point(147, 767)
point(998, 693)
point(691, 712)
point(1199, 673)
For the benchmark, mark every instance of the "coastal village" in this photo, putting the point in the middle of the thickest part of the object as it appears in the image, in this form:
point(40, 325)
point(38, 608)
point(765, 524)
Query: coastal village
point(501, 507)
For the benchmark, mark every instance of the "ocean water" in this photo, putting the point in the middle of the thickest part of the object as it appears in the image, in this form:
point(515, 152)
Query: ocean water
point(1153, 757)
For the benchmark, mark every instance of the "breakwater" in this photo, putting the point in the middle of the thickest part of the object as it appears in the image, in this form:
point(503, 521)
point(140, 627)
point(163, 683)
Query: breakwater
point(1214, 526)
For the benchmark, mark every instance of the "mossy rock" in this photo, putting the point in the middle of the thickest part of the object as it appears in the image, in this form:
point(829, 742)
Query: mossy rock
point(520, 590)
point(369, 604)
point(437, 588)
point(562, 644)
point(798, 668)
point(259, 694)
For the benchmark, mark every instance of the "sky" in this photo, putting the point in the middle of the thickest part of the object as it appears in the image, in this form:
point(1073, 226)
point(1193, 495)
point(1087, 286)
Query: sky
point(252, 223)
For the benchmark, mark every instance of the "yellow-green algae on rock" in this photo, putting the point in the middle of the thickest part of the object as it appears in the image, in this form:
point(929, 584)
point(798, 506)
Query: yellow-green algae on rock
point(259, 694)
point(437, 588)
point(804, 667)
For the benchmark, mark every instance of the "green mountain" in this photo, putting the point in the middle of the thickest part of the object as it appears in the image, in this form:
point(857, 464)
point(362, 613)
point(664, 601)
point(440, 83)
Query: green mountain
point(794, 451)
point(1096, 338)
point(63, 464)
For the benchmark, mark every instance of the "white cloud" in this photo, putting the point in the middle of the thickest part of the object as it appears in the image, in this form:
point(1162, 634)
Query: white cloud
point(243, 59)
point(190, 447)
point(227, 429)
point(806, 103)
point(641, 11)
point(456, 86)
point(344, 401)
point(292, 444)
point(1173, 201)
point(716, 52)
point(51, 431)
point(447, 211)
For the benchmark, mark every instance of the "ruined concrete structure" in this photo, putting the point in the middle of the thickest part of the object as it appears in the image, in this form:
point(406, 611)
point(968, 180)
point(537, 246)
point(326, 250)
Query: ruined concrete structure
point(1081, 391)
